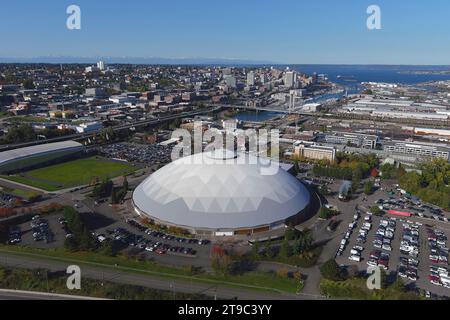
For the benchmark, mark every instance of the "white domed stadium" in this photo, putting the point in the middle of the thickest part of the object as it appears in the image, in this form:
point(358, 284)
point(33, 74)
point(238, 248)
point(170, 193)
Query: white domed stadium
point(222, 193)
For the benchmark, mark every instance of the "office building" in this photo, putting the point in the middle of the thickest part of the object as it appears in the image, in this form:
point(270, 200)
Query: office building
point(359, 140)
point(314, 152)
point(417, 149)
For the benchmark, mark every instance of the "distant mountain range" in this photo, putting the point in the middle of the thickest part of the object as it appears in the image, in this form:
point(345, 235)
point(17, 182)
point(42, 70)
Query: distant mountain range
point(137, 60)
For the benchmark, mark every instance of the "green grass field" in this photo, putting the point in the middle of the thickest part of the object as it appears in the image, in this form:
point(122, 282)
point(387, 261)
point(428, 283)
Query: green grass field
point(253, 280)
point(72, 173)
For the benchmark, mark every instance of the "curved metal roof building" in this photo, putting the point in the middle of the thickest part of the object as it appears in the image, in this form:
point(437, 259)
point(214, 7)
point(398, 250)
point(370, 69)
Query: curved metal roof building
point(24, 158)
point(221, 191)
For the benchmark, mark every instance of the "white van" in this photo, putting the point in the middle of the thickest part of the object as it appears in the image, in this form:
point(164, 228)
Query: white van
point(355, 258)
point(445, 281)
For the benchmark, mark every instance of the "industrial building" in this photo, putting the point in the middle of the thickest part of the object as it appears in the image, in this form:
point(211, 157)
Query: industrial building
point(220, 193)
point(417, 149)
point(398, 109)
point(359, 140)
point(32, 157)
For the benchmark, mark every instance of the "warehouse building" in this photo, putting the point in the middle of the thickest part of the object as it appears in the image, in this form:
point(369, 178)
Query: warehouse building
point(37, 156)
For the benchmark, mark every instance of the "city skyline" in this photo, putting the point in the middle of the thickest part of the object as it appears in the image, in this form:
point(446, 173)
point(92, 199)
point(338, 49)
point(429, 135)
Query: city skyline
point(286, 32)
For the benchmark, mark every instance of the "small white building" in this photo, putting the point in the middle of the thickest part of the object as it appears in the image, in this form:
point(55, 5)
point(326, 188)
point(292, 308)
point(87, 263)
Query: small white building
point(89, 127)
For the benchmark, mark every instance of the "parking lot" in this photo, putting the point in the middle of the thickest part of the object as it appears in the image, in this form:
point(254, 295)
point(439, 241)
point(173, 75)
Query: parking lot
point(153, 243)
point(128, 236)
point(7, 200)
point(39, 232)
point(140, 153)
point(413, 248)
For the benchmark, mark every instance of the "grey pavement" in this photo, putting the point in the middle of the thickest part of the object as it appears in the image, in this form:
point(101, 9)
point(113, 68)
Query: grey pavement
point(147, 280)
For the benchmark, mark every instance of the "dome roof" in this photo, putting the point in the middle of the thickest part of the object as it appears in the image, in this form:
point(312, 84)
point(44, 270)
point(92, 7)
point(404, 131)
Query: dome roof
point(220, 190)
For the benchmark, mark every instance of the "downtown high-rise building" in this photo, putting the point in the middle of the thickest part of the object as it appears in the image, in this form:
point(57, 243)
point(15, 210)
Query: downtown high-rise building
point(250, 78)
point(290, 79)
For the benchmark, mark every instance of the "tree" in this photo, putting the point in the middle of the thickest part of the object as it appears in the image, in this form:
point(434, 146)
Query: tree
point(2, 274)
point(103, 189)
point(22, 133)
point(291, 233)
point(255, 249)
point(107, 249)
point(296, 167)
point(323, 190)
point(81, 239)
point(286, 249)
point(326, 213)
point(368, 187)
point(374, 173)
point(125, 185)
point(113, 196)
point(71, 244)
point(268, 250)
point(356, 180)
point(28, 84)
point(383, 279)
point(398, 285)
point(330, 270)
point(221, 263)
point(375, 210)
point(305, 241)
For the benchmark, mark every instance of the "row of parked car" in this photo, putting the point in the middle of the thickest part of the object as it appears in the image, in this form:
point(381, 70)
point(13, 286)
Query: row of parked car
point(7, 200)
point(437, 245)
point(408, 268)
point(355, 253)
point(439, 275)
point(165, 236)
point(153, 153)
point(385, 234)
point(41, 230)
point(140, 242)
point(382, 241)
point(347, 235)
point(409, 244)
point(415, 207)
point(378, 258)
point(15, 235)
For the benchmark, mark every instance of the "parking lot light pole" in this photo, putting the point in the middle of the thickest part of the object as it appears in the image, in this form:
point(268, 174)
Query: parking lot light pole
point(173, 289)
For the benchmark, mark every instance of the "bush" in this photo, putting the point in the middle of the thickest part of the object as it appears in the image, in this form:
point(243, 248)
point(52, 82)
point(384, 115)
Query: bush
point(221, 262)
point(331, 270)
point(283, 272)
point(368, 188)
point(326, 213)
point(286, 249)
point(376, 210)
point(291, 233)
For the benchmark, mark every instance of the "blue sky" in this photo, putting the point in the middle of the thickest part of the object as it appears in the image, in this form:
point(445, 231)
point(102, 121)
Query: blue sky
point(285, 31)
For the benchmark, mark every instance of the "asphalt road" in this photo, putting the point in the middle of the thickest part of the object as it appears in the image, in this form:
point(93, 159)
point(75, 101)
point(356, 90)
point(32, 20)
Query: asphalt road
point(119, 276)
point(115, 128)
point(28, 295)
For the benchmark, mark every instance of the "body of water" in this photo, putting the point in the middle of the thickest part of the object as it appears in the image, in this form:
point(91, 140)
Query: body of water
point(353, 75)
point(257, 116)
